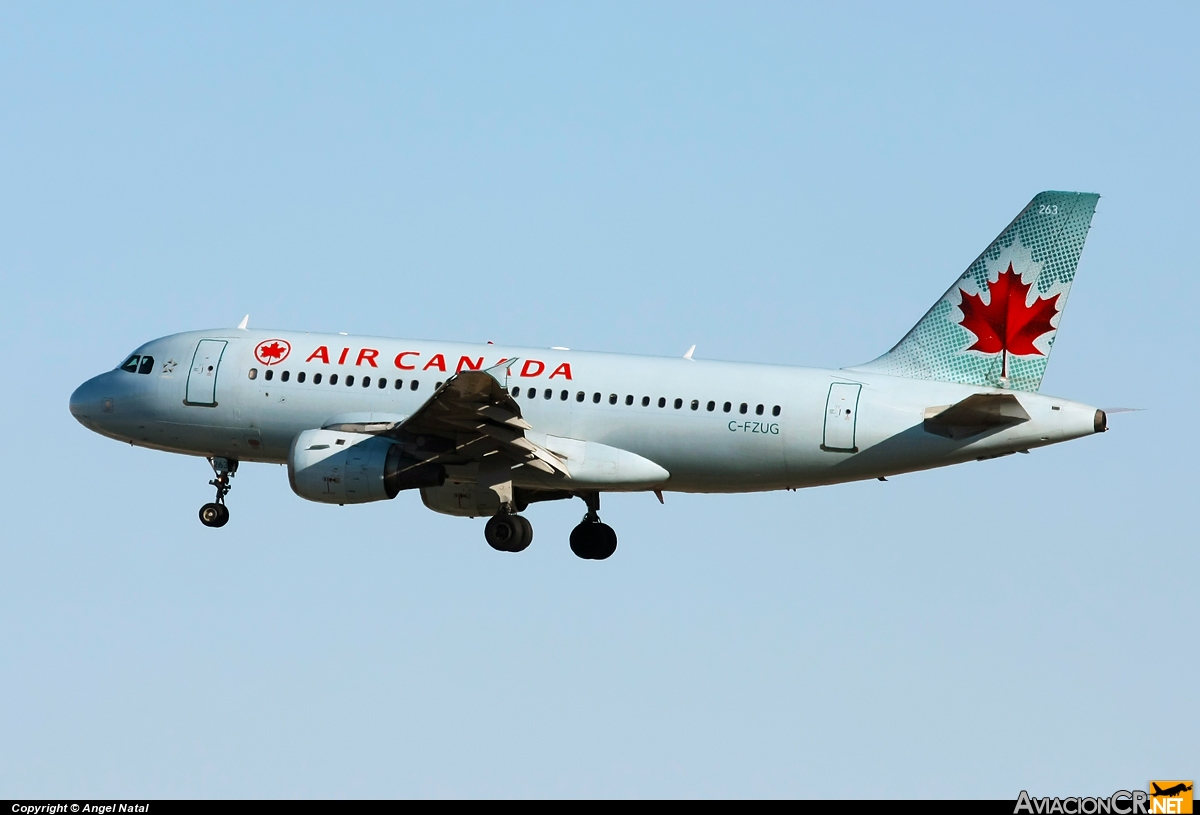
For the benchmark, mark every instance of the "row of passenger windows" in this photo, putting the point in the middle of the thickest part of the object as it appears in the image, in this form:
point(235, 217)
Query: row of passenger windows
point(580, 396)
point(366, 382)
point(530, 393)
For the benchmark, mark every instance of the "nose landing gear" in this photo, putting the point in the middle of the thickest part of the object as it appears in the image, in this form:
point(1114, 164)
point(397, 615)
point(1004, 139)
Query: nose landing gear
point(216, 514)
point(592, 539)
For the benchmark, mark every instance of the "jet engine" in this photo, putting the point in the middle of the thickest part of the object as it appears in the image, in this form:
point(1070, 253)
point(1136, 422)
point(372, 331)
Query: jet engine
point(335, 467)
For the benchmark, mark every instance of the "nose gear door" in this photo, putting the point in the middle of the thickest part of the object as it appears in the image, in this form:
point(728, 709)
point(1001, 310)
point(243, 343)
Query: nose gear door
point(841, 417)
point(202, 378)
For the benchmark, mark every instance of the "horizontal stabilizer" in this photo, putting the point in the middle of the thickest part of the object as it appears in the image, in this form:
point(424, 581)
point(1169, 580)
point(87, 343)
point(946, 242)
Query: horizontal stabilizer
point(975, 414)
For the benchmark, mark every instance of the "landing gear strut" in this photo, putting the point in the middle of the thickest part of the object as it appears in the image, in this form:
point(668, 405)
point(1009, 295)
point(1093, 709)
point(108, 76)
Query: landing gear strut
point(592, 539)
point(216, 513)
point(507, 532)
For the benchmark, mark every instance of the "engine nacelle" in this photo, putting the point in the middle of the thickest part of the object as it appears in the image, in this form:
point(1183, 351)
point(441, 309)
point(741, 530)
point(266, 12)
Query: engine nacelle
point(335, 467)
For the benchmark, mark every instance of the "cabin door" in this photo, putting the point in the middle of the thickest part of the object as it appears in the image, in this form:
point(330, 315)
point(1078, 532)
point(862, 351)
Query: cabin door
point(202, 378)
point(841, 418)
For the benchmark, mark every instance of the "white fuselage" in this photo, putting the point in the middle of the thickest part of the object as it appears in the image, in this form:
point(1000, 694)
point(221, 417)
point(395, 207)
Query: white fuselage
point(685, 416)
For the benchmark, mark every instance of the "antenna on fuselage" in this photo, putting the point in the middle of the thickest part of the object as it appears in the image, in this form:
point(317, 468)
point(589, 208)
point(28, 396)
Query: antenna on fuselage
point(245, 321)
point(690, 351)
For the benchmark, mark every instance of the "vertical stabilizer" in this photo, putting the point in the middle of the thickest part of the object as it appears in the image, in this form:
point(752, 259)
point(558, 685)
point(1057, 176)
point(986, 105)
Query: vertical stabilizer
point(997, 323)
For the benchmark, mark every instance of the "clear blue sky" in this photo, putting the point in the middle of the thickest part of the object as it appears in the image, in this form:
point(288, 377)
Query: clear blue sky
point(772, 182)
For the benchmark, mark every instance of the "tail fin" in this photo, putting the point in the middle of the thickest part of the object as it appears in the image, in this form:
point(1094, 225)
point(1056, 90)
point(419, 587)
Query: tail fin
point(997, 323)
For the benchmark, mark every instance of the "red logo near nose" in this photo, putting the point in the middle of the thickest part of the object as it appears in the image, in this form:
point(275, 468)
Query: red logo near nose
point(272, 352)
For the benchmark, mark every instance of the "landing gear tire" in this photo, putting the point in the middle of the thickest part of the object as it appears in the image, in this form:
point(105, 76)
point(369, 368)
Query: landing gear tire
point(593, 540)
point(214, 515)
point(527, 534)
point(508, 533)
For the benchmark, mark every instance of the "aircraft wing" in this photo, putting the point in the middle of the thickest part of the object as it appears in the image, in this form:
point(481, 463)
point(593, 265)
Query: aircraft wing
point(471, 416)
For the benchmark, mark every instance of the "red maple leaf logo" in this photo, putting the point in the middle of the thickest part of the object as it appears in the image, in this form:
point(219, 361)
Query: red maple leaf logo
point(270, 352)
point(1006, 323)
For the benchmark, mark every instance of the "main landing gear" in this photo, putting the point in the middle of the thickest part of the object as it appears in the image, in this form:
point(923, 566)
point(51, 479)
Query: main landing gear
point(506, 532)
point(217, 514)
point(593, 540)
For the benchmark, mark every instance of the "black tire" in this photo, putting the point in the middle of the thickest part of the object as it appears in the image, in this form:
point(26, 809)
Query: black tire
point(593, 541)
point(211, 515)
point(581, 540)
point(521, 542)
point(605, 542)
point(503, 532)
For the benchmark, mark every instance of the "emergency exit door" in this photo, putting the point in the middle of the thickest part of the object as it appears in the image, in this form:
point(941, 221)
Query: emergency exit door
point(202, 378)
point(841, 418)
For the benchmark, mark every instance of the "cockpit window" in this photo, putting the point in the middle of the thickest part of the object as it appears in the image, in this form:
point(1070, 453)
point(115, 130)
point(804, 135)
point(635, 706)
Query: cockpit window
point(138, 364)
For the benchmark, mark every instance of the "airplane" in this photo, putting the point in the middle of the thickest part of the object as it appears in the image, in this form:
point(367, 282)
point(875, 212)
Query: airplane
point(1170, 792)
point(489, 430)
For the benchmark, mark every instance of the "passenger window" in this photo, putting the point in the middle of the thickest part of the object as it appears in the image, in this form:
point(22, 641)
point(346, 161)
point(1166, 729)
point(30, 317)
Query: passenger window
point(382, 383)
point(629, 399)
point(316, 379)
point(269, 375)
point(662, 401)
point(349, 380)
point(612, 398)
point(775, 410)
point(742, 409)
point(285, 376)
point(415, 384)
point(596, 398)
point(516, 391)
point(366, 381)
point(678, 404)
point(579, 396)
point(333, 379)
point(759, 410)
point(147, 365)
point(645, 401)
point(399, 384)
point(727, 407)
point(253, 374)
point(131, 364)
point(548, 394)
point(437, 385)
point(563, 396)
point(711, 406)
point(300, 377)
point(695, 404)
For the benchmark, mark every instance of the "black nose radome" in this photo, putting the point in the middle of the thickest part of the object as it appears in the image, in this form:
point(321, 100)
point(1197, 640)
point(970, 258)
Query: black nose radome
point(1101, 423)
point(78, 403)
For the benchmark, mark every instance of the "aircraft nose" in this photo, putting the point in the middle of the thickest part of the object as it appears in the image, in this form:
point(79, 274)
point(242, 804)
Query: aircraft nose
point(87, 401)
